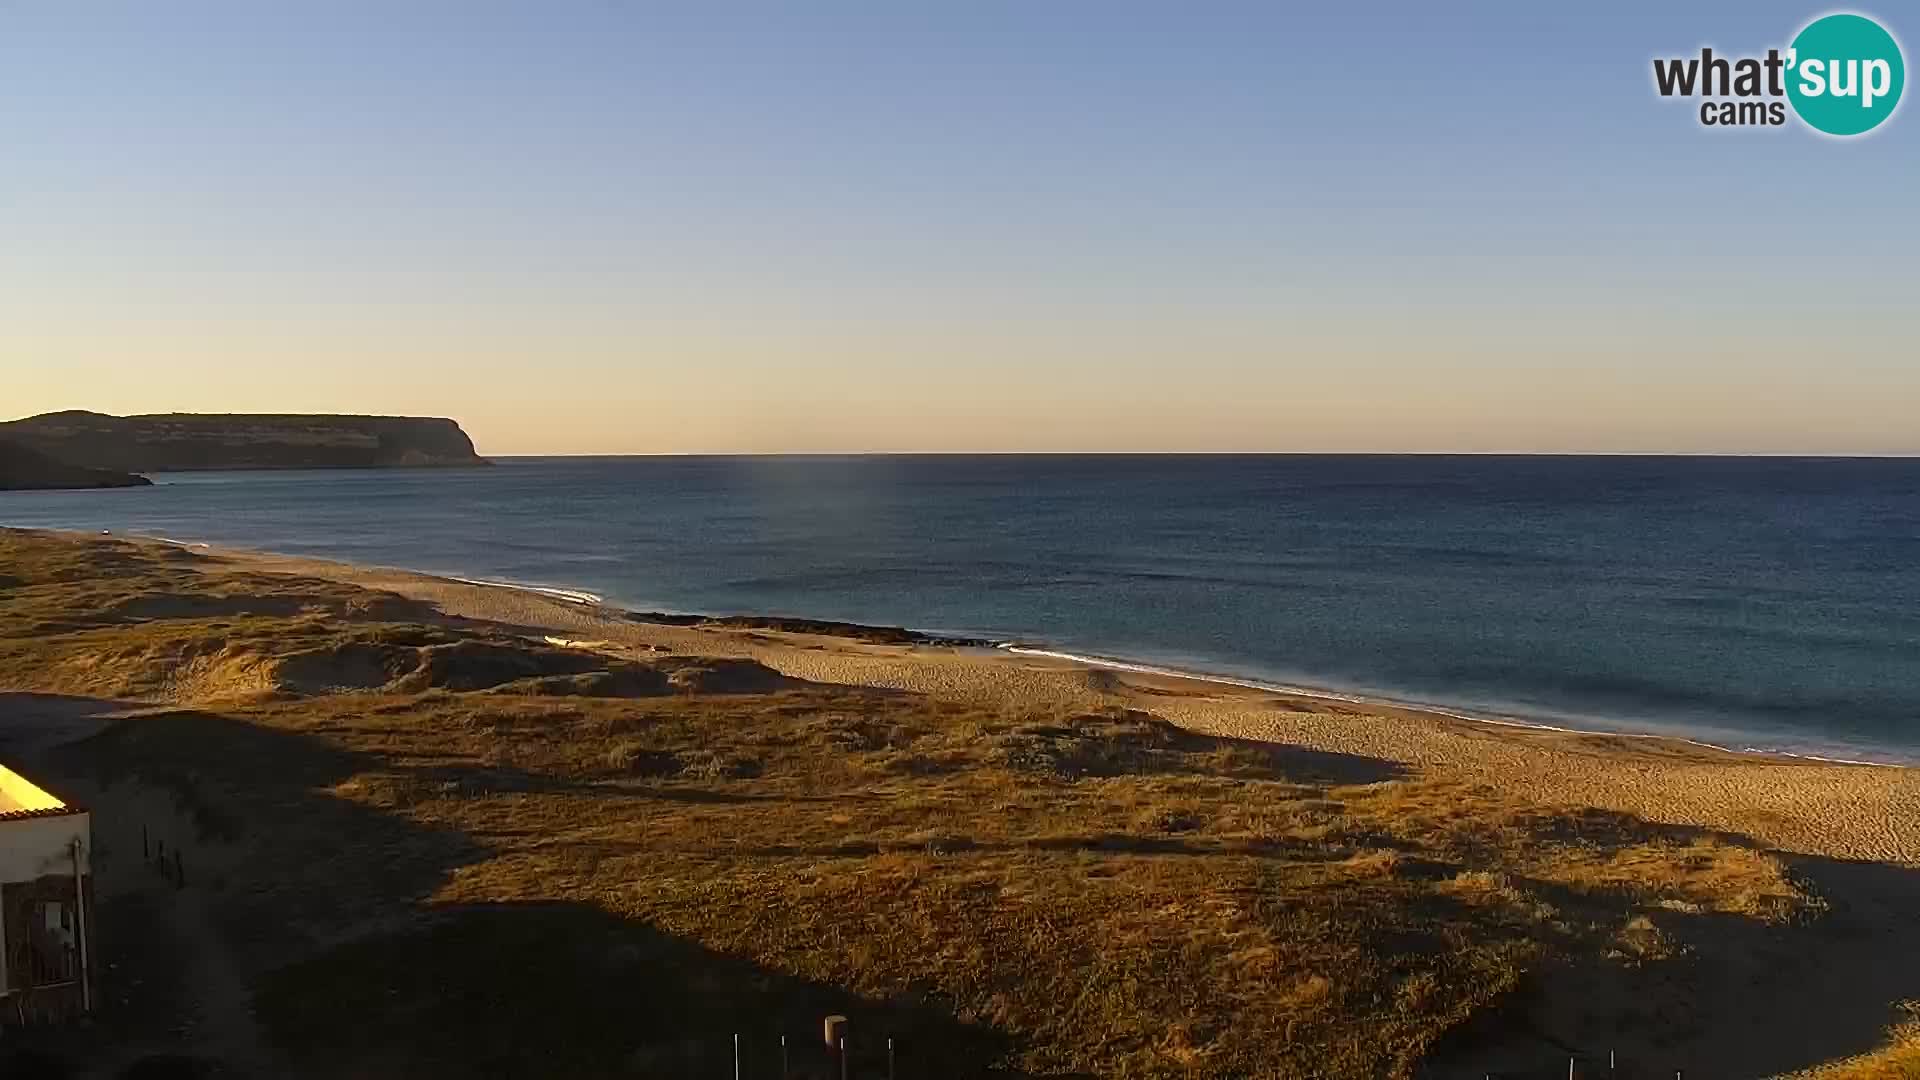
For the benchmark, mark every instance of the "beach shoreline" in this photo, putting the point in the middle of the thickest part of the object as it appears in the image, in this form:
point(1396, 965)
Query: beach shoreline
point(1793, 805)
point(1731, 742)
point(731, 785)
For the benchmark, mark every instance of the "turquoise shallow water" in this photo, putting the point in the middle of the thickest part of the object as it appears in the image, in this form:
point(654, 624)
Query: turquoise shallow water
point(1752, 602)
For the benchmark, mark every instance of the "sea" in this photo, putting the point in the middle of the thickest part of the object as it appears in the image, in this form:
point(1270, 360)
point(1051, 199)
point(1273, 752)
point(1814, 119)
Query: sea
point(1756, 603)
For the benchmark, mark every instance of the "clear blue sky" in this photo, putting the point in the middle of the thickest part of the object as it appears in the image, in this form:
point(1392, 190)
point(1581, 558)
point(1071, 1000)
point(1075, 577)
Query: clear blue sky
point(645, 227)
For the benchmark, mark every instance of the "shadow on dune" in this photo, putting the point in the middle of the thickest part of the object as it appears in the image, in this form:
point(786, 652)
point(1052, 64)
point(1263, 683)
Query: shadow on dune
point(1747, 999)
point(559, 989)
point(313, 907)
point(283, 859)
point(263, 863)
point(31, 724)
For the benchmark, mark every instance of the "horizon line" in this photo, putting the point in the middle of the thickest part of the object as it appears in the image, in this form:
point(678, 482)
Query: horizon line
point(1781, 455)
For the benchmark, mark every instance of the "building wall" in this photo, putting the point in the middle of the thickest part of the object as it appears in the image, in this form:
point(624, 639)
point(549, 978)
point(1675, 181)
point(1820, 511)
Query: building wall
point(49, 974)
point(32, 847)
point(36, 868)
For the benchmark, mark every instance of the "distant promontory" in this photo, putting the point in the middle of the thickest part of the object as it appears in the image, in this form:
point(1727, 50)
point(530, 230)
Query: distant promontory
point(26, 469)
point(168, 442)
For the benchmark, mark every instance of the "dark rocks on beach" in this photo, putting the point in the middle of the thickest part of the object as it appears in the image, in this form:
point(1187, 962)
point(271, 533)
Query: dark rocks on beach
point(874, 635)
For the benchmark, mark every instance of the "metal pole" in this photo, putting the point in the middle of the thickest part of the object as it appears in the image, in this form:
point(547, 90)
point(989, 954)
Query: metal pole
point(783, 1057)
point(736, 1056)
point(1569, 1067)
point(843, 1057)
point(890, 1057)
point(80, 930)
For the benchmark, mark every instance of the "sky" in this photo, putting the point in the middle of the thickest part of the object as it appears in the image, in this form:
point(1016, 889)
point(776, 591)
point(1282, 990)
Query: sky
point(1055, 225)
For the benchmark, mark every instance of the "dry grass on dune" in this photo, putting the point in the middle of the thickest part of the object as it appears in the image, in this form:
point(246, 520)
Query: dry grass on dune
point(1899, 1060)
point(456, 853)
point(1087, 893)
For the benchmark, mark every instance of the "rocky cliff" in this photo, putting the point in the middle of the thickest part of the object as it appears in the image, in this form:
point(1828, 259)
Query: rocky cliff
point(163, 442)
point(24, 469)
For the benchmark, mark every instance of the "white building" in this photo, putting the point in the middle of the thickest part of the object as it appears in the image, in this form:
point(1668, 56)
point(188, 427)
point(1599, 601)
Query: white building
point(46, 904)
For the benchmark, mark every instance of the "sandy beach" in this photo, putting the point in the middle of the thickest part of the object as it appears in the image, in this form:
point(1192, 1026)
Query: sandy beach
point(1794, 806)
point(382, 778)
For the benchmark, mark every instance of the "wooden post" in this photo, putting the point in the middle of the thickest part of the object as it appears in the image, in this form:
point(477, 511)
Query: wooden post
point(834, 1031)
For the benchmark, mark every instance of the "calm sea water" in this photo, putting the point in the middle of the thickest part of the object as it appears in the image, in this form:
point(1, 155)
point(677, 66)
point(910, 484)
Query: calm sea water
point(1752, 602)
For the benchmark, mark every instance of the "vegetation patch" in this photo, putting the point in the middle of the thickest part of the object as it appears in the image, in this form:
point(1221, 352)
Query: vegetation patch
point(445, 850)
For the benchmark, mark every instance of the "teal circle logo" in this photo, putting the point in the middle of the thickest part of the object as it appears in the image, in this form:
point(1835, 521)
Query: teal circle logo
point(1845, 74)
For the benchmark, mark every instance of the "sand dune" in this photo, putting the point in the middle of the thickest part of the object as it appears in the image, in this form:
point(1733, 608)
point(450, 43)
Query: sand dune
point(1842, 811)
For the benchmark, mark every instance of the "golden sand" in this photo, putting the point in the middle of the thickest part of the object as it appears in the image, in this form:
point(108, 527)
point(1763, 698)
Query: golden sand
point(1842, 811)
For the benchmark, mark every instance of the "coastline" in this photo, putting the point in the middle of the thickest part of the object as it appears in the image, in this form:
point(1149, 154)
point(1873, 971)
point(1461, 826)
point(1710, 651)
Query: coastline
point(1594, 727)
point(1792, 805)
point(526, 751)
point(1436, 709)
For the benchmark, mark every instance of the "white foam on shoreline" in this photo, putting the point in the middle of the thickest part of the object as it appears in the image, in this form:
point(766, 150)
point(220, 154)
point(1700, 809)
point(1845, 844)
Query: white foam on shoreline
point(576, 596)
point(585, 598)
point(573, 596)
point(1111, 664)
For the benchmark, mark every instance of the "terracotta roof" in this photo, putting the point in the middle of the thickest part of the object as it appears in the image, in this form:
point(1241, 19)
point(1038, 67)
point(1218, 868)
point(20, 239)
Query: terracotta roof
point(51, 811)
